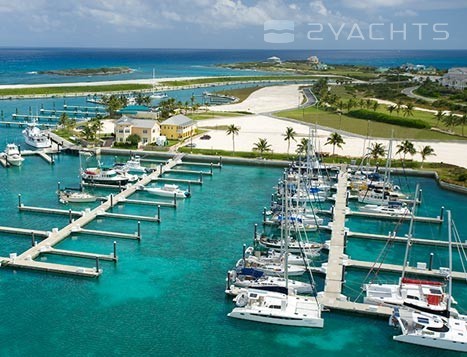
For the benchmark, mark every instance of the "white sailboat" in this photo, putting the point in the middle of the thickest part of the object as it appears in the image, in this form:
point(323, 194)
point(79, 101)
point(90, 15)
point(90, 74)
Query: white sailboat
point(156, 95)
point(423, 329)
point(278, 308)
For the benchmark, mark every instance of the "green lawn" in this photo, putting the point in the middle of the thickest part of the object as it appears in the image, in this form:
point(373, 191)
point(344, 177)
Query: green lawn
point(235, 79)
point(359, 126)
point(240, 93)
point(212, 115)
point(73, 89)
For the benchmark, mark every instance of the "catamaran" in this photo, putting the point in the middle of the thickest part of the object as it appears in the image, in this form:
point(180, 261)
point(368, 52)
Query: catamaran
point(424, 329)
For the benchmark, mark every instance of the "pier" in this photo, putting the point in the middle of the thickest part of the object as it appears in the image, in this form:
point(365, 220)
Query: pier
point(26, 260)
point(332, 296)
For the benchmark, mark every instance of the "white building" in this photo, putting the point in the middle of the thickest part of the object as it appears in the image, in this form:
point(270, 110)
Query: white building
point(455, 78)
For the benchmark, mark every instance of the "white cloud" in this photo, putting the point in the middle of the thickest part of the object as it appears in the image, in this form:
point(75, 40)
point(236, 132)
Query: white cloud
point(406, 13)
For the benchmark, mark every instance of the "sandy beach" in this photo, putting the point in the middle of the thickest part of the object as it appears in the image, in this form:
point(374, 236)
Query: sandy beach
point(276, 98)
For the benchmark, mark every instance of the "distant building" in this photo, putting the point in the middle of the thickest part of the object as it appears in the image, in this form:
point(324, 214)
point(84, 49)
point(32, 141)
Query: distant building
point(274, 59)
point(455, 78)
point(148, 130)
point(178, 127)
point(313, 60)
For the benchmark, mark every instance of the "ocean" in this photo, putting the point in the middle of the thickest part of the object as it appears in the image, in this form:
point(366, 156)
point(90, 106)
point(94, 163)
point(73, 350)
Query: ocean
point(20, 65)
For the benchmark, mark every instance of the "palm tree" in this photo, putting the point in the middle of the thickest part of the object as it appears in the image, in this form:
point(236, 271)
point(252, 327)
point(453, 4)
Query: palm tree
point(406, 147)
point(399, 105)
point(462, 121)
point(368, 103)
point(340, 105)
point(439, 116)
point(289, 135)
point(375, 106)
point(408, 110)
point(376, 150)
point(233, 130)
point(450, 121)
point(350, 104)
point(335, 139)
point(391, 108)
point(302, 147)
point(361, 103)
point(426, 151)
point(262, 146)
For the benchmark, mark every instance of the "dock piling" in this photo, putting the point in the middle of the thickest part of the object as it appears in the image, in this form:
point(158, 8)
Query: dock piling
point(175, 199)
point(201, 177)
point(220, 161)
point(70, 216)
point(159, 213)
point(430, 264)
point(115, 252)
point(441, 214)
point(189, 188)
point(111, 200)
point(244, 253)
point(58, 190)
point(211, 168)
point(255, 232)
point(19, 200)
point(139, 230)
point(97, 265)
point(33, 239)
point(264, 215)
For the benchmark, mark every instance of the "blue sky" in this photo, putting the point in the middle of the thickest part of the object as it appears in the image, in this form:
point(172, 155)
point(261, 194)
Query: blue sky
point(337, 24)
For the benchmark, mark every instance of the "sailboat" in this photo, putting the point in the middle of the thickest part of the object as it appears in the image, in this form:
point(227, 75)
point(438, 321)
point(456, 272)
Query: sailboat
point(286, 308)
point(156, 95)
point(423, 329)
point(423, 295)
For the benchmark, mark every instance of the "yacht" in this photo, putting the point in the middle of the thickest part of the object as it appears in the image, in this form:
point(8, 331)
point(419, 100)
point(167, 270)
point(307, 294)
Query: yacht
point(429, 330)
point(168, 190)
point(104, 176)
point(277, 308)
point(133, 165)
point(294, 245)
point(35, 137)
point(12, 155)
point(390, 209)
point(73, 196)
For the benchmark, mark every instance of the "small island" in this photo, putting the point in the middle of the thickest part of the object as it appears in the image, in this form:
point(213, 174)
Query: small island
point(75, 72)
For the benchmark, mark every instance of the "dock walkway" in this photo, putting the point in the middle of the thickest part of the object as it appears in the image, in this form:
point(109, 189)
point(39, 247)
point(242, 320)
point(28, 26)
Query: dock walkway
point(26, 260)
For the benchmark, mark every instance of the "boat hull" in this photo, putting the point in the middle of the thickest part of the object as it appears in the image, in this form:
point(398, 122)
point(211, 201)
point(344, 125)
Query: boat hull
point(246, 314)
point(428, 341)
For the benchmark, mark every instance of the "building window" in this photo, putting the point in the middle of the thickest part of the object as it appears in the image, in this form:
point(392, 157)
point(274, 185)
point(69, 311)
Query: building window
point(145, 131)
point(120, 131)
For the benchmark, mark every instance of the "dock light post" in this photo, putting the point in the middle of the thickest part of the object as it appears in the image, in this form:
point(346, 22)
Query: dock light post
point(419, 197)
point(70, 216)
point(430, 264)
point(97, 265)
point(33, 239)
point(441, 215)
point(19, 200)
point(159, 213)
point(111, 200)
point(160, 169)
point(139, 230)
point(115, 252)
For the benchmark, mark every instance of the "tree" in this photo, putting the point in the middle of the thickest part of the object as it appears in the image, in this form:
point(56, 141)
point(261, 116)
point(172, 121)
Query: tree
point(450, 120)
point(439, 116)
point(289, 135)
point(133, 139)
point(88, 132)
point(335, 139)
point(462, 121)
point(377, 150)
point(302, 147)
point(406, 147)
point(233, 130)
point(391, 108)
point(262, 146)
point(96, 125)
point(368, 103)
point(426, 151)
point(399, 105)
point(408, 110)
point(361, 103)
point(340, 105)
point(375, 106)
point(142, 99)
point(350, 104)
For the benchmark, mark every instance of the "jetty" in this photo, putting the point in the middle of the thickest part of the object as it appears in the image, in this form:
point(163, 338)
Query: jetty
point(26, 260)
point(332, 296)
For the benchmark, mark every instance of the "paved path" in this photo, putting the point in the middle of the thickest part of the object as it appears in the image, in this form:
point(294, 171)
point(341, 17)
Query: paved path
point(409, 92)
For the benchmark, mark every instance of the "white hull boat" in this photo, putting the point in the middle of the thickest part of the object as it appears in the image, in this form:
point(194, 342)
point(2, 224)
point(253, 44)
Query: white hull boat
point(12, 155)
point(276, 308)
point(389, 209)
point(67, 196)
point(35, 137)
point(132, 166)
point(294, 247)
point(271, 268)
point(96, 175)
point(168, 191)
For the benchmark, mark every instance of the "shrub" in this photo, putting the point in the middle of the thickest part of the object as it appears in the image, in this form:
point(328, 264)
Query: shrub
point(389, 119)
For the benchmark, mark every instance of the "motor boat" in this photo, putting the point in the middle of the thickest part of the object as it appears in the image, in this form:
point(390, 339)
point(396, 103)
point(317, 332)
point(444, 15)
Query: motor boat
point(12, 155)
point(35, 137)
point(73, 196)
point(168, 190)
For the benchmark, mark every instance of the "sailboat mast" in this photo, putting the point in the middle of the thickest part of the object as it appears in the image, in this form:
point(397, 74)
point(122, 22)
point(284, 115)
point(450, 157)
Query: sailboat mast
point(450, 260)
point(409, 236)
point(286, 235)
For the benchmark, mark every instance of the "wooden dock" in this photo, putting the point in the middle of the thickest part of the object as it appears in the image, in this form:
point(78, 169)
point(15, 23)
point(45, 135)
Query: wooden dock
point(398, 239)
point(108, 234)
point(167, 179)
point(398, 268)
point(23, 231)
point(75, 254)
point(26, 260)
point(394, 217)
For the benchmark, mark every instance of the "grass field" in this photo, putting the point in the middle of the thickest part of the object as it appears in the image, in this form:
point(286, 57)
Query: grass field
point(73, 89)
point(240, 93)
point(212, 115)
point(236, 79)
point(363, 127)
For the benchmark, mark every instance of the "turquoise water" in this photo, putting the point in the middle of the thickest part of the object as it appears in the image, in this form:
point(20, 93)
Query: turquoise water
point(165, 295)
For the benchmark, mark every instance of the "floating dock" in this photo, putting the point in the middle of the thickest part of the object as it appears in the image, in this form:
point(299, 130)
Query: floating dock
point(26, 260)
